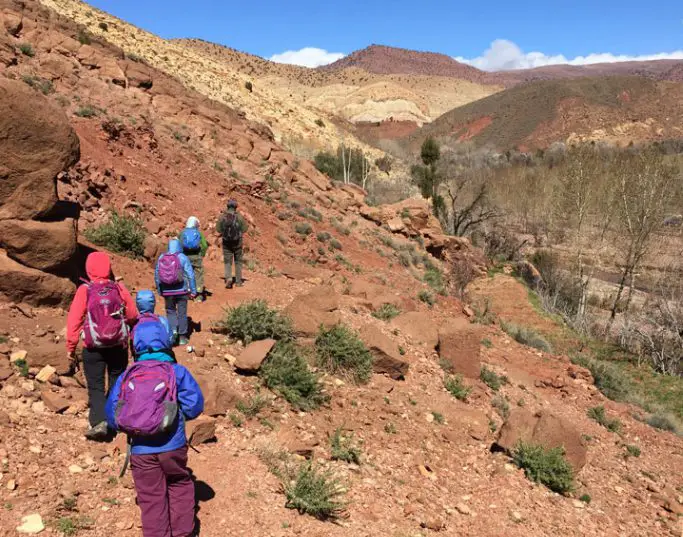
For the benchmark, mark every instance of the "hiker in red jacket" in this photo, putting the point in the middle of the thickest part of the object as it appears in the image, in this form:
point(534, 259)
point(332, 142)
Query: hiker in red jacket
point(102, 312)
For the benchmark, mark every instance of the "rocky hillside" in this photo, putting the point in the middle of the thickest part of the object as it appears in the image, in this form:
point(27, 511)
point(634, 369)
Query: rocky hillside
point(424, 436)
point(613, 109)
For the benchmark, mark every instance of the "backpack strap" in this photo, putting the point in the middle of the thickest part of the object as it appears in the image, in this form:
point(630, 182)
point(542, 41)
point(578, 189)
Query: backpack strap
point(126, 462)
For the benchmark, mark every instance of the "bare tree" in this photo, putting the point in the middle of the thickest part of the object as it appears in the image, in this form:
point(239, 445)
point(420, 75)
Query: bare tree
point(645, 186)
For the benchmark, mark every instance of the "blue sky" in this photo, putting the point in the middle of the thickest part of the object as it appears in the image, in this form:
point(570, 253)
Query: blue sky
point(559, 30)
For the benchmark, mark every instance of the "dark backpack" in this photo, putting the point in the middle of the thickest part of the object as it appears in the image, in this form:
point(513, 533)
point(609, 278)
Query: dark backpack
point(232, 230)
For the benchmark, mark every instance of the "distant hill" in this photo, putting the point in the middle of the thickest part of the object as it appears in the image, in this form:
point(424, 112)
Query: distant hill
point(536, 114)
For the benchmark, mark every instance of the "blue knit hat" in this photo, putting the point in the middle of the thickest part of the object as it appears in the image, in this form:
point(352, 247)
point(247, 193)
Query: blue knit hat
point(145, 301)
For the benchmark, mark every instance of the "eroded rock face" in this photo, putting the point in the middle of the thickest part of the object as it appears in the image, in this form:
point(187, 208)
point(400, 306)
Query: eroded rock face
point(19, 283)
point(37, 143)
point(39, 245)
point(460, 346)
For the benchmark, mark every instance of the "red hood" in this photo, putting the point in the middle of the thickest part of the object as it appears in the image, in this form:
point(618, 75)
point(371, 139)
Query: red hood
point(98, 266)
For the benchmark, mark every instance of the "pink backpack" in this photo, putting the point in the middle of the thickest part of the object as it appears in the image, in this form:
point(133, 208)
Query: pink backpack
point(170, 269)
point(105, 319)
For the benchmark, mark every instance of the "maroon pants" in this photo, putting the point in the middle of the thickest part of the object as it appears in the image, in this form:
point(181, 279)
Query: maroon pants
point(165, 493)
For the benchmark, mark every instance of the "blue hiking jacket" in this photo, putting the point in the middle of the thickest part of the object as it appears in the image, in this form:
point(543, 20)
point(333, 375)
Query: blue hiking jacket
point(188, 286)
point(190, 405)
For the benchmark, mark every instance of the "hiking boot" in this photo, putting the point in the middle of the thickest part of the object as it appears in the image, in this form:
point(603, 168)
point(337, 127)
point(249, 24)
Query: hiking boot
point(183, 340)
point(228, 285)
point(98, 432)
point(239, 284)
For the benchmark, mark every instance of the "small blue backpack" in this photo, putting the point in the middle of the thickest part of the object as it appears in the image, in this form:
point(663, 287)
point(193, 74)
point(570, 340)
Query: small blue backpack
point(150, 335)
point(191, 239)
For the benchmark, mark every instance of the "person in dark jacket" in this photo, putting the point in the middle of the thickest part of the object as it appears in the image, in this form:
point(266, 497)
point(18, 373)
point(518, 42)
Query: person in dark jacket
point(176, 295)
point(232, 226)
point(163, 482)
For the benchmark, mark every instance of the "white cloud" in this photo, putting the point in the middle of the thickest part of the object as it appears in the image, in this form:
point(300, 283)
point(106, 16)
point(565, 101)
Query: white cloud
point(505, 55)
point(307, 57)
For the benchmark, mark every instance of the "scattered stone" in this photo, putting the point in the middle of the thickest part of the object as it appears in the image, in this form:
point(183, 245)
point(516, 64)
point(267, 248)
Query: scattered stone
point(426, 472)
point(12, 484)
point(201, 430)
point(387, 359)
point(578, 504)
point(55, 402)
point(31, 524)
point(460, 346)
point(18, 355)
point(45, 373)
point(75, 469)
point(463, 509)
point(253, 356)
point(434, 524)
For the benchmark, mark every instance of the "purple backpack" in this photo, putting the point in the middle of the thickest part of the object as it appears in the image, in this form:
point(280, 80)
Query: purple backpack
point(170, 269)
point(105, 319)
point(148, 401)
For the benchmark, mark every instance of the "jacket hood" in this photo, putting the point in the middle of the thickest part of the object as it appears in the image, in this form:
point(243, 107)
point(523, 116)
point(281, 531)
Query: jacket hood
point(98, 266)
point(174, 247)
point(145, 301)
point(193, 221)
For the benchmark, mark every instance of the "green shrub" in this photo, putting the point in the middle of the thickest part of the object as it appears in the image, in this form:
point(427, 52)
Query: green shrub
point(134, 57)
point(252, 407)
point(434, 278)
point(72, 525)
point(502, 406)
point(340, 351)
point(323, 236)
point(491, 379)
point(254, 320)
point(585, 498)
point(311, 214)
point(632, 451)
point(315, 492)
point(404, 259)
point(335, 245)
point(27, 49)
point(121, 234)
point(438, 417)
point(546, 466)
point(286, 372)
point(457, 388)
point(390, 428)
point(87, 111)
point(483, 314)
point(22, 366)
point(343, 448)
point(303, 228)
point(41, 84)
point(84, 37)
point(486, 342)
point(662, 421)
point(426, 297)
point(598, 414)
point(526, 336)
point(387, 312)
point(608, 378)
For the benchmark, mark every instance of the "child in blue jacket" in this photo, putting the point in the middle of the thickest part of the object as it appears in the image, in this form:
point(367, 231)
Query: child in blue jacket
point(176, 296)
point(165, 491)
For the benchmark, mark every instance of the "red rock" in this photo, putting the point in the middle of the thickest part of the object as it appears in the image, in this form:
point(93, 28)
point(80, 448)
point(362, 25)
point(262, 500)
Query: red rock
point(201, 430)
point(19, 283)
point(219, 397)
point(308, 312)
point(251, 358)
point(49, 354)
point(543, 429)
point(39, 245)
point(386, 358)
point(37, 142)
point(54, 401)
point(460, 346)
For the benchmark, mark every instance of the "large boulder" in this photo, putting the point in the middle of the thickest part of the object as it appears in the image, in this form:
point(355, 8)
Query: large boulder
point(419, 327)
point(39, 245)
point(387, 359)
point(36, 143)
point(460, 346)
point(200, 430)
point(219, 397)
point(253, 356)
point(543, 429)
point(315, 309)
point(23, 284)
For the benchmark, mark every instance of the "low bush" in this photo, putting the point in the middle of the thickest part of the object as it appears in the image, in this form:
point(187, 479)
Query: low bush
point(323, 236)
point(387, 312)
point(426, 297)
point(27, 49)
point(491, 379)
point(599, 415)
point(43, 85)
point(121, 234)
point(457, 388)
point(438, 417)
point(340, 351)
point(526, 336)
point(335, 245)
point(303, 228)
point(286, 372)
point(87, 111)
point(632, 451)
point(434, 278)
point(252, 407)
point(343, 448)
point(254, 320)
point(608, 378)
point(404, 259)
point(546, 466)
point(22, 366)
point(501, 406)
point(663, 421)
point(316, 492)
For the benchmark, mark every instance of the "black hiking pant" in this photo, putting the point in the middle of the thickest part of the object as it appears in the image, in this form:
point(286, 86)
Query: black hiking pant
point(230, 253)
point(96, 363)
